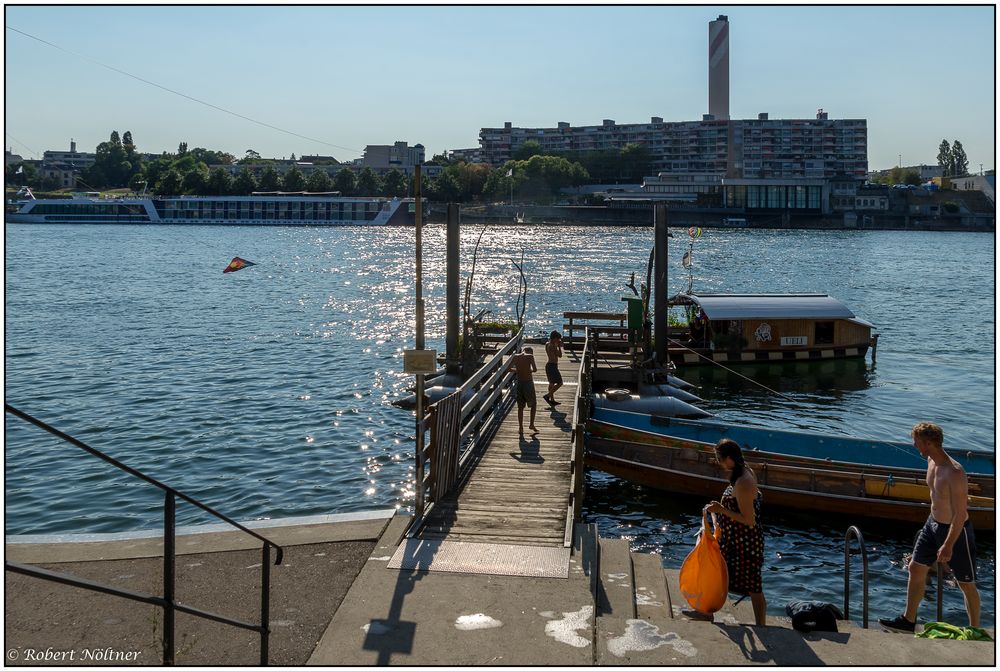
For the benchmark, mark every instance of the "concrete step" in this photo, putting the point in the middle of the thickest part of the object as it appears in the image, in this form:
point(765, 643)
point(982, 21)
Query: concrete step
point(651, 597)
point(731, 613)
point(615, 589)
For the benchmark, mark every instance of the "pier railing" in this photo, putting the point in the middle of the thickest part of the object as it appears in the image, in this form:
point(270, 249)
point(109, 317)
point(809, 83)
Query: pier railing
point(167, 601)
point(459, 424)
point(581, 411)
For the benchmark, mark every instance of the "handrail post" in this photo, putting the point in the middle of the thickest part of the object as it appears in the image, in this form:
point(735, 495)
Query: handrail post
point(169, 549)
point(265, 603)
point(847, 574)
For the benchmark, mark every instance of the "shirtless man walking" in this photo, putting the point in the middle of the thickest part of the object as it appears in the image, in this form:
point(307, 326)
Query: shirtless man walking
point(524, 365)
point(553, 352)
point(947, 537)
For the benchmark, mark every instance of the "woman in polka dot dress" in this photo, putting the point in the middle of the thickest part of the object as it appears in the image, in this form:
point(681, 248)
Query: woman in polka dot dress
point(742, 540)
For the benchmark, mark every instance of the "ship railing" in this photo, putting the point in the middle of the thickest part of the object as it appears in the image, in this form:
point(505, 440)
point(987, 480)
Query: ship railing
point(459, 425)
point(167, 600)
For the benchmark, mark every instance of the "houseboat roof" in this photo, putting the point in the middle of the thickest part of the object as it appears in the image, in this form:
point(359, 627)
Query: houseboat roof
point(770, 306)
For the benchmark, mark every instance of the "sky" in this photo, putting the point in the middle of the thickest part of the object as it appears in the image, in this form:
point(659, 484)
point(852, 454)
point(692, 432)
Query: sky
point(329, 80)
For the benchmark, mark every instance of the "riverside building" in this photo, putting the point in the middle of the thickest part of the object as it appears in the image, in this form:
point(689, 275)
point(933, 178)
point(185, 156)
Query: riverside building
point(716, 147)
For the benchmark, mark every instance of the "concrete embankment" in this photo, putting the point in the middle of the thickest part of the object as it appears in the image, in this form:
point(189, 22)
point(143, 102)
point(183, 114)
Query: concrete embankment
point(335, 601)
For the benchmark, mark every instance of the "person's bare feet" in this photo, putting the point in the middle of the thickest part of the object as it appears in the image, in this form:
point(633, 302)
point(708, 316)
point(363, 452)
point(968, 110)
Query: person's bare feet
point(533, 428)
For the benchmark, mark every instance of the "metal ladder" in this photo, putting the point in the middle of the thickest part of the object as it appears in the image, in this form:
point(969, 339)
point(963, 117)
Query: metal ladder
point(853, 530)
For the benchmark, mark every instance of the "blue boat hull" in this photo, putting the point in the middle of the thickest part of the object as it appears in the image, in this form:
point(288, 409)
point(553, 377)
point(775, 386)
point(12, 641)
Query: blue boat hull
point(793, 443)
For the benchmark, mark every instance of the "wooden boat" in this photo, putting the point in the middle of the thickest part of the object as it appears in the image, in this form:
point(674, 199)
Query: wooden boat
point(755, 328)
point(797, 470)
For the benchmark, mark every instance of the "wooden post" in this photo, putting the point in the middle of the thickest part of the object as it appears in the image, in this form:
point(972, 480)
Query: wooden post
point(660, 284)
point(418, 283)
point(453, 358)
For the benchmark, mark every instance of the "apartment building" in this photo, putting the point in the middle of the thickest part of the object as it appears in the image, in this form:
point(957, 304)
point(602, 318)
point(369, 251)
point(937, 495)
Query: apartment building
point(749, 148)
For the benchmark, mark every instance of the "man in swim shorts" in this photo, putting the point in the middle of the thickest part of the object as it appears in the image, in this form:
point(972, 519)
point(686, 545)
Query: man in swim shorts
point(947, 536)
point(524, 365)
point(553, 350)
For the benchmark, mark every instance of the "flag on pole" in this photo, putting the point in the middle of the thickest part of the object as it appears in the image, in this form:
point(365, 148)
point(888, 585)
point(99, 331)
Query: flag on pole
point(237, 264)
point(510, 172)
point(20, 170)
point(686, 259)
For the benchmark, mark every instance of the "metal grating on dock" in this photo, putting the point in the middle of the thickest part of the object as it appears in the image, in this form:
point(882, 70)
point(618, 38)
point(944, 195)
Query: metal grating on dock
point(416, 554)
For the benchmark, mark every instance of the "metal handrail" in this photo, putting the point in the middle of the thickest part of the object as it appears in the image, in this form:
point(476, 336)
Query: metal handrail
point(167, 601)
point(847, 574)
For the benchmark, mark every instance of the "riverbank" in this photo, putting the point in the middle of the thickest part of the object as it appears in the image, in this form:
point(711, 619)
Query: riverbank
point(334, 601)
point(686, 216)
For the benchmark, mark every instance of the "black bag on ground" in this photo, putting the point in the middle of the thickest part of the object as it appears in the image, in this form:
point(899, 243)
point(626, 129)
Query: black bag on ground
point(813, 615)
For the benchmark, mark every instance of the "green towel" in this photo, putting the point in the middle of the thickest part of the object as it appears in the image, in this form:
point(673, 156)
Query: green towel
point(945, 630)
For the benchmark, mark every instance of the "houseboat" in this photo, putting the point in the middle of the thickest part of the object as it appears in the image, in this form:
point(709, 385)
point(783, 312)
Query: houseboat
point(747, 328)
point(271, 209)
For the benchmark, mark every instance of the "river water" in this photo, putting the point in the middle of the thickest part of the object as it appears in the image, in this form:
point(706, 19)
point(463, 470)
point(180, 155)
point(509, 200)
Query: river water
point(266, 392)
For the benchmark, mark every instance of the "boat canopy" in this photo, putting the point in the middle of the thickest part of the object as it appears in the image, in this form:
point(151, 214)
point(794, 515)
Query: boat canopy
point(770, 306)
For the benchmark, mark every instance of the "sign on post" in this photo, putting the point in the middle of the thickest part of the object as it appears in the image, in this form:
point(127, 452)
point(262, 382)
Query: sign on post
point(420, 361)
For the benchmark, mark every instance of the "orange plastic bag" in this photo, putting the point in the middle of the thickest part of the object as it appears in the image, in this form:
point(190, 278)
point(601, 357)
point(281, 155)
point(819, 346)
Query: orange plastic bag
point(704, 577)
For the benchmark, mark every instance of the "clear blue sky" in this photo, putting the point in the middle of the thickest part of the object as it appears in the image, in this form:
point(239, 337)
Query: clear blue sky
point(351, 76)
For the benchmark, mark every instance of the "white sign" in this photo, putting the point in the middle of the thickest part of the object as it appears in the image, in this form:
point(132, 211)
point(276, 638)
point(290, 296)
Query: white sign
point(793, 341)
point(420, 361)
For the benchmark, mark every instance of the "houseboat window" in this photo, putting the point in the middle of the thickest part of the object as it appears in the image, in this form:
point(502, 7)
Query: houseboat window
point(824, 333)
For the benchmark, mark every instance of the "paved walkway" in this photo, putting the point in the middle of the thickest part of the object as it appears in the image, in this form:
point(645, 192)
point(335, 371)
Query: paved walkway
point(335, 602)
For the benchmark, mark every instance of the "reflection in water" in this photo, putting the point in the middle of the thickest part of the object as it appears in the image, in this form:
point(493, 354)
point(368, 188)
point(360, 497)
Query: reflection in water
point(829, 379)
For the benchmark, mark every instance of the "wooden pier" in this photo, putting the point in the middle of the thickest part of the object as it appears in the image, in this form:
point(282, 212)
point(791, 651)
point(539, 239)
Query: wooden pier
point(518, 488)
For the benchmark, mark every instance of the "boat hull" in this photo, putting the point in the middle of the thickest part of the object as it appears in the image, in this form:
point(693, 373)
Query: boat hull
point(693, 472)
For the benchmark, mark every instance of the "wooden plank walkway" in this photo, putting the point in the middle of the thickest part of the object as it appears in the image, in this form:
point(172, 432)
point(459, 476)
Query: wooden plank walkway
point(519, 488)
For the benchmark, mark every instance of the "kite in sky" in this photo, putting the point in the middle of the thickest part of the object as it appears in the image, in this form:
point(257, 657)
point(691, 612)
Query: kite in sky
point(238, 264)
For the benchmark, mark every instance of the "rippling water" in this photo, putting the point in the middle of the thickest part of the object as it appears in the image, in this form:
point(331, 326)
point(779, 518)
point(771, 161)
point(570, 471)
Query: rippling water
point(266, 392)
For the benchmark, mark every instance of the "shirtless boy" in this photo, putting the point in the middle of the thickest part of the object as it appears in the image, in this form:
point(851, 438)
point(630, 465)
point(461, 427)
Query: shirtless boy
point(947, 536)
point(553, 350)
point(524, 365)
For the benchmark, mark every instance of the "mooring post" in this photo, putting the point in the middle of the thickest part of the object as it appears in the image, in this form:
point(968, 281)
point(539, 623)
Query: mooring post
point(418, 283)
point(453, 357)
point(660, 283)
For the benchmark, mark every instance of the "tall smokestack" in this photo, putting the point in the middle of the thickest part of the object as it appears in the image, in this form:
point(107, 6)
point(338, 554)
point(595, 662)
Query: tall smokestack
point(718, 68)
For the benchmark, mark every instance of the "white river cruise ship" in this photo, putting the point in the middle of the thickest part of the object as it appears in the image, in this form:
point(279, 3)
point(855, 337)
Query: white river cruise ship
point(259, 209)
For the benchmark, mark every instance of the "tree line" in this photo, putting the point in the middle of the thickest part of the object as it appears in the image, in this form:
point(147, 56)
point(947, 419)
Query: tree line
point(530, 175)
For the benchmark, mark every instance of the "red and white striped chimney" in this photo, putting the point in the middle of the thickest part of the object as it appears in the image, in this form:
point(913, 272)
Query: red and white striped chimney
point(718, 68)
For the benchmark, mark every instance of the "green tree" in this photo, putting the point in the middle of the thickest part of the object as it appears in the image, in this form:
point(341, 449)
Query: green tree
point(446, 188)
point(959, 161)
point(245, 183)
point(195, 182)
point(471, 178)
point(139, 182)
point(127, 140)
point(527, 150)
point(182, 148)
point(636, 162)
point(170, 183)
point(395, 183)
point(944, 158)
point(269, 180)
point(345, 182)
point(294, 180)
point(911, 177)
point(319, 181)
point(115, 139)
point(368, 183)
point(250, 157)
point(220, 182)
point(211, 157)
